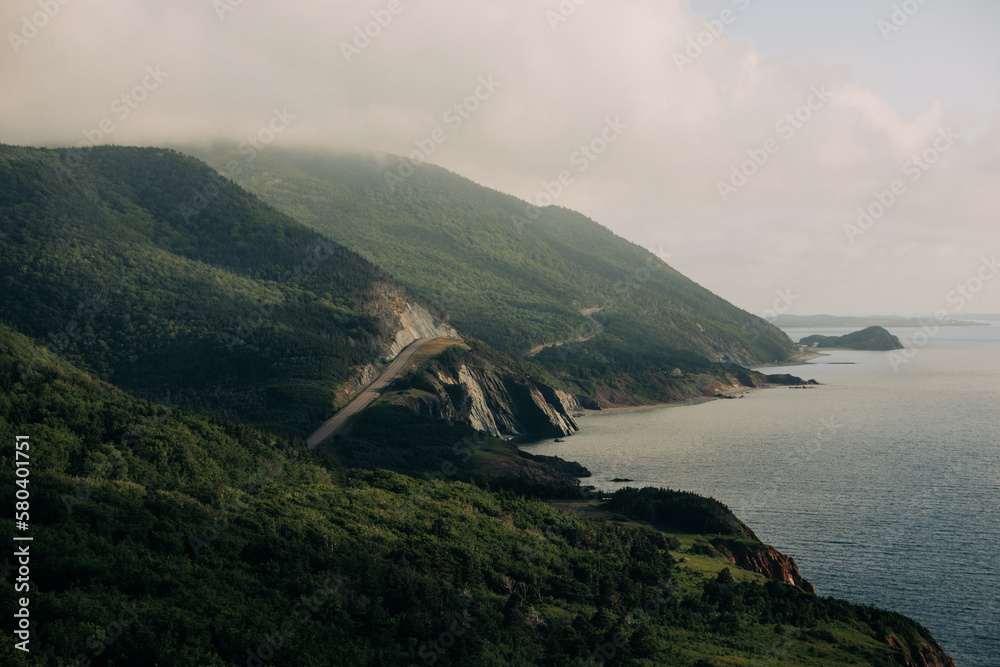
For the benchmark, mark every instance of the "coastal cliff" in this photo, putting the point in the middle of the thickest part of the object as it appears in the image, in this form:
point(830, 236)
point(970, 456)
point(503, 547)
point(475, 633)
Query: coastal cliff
point(776, 566)
point(479, 389)
point(763, 559)
point(413, 322)
point(490, 400)
point(915, 655)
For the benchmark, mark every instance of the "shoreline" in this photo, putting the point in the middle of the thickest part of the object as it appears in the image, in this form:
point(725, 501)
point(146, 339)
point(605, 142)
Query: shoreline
point(697, 400)
point(799, 359)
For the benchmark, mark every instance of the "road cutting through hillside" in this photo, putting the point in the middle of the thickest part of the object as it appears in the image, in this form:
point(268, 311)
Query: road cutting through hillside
point(369, 394)
point(597, 330)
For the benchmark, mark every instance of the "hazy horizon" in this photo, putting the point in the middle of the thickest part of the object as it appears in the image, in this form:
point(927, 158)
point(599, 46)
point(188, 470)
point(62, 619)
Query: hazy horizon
point(825, 107)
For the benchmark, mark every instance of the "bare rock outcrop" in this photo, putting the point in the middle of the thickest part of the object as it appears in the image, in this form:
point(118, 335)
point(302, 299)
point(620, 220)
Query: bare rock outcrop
point(493, 401)
point(920, 656)
point(768, 561)
point(415, 322)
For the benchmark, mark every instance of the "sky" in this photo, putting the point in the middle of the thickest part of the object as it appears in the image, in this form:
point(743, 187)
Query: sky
point(802, 157)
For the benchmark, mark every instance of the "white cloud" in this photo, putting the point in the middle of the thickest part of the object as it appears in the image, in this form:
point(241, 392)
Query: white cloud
point(657, 185)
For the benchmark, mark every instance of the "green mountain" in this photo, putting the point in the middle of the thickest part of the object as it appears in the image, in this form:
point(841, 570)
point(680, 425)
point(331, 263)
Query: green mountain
point(235, 310)
point(164, 537)
point(872, 338)
point(516, 278)
point(197, 531)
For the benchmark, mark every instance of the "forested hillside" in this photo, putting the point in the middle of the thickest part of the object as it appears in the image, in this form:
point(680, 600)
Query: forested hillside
point(514, 276)
point(144, 267)
point(166, 538)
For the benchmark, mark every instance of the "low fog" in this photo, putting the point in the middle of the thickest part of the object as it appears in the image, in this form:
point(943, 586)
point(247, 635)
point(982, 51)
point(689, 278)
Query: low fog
point(841, 161)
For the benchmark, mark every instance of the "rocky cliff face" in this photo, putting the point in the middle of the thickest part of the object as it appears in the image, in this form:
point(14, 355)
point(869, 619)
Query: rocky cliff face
point(542, 469)
point(920, 656)
point(485, 395)
point(493, 401)
point(412, 321)
point(768, 561)
point(416, 322)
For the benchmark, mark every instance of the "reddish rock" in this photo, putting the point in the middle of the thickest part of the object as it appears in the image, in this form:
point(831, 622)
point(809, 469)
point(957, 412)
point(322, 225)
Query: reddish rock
point(763, 559)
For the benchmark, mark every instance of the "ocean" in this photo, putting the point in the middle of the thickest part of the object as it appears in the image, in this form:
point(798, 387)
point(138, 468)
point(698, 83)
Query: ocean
point(883, 483)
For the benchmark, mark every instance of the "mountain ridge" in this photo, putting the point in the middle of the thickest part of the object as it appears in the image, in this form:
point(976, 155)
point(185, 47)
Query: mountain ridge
point(516, 287)
point(238, 311)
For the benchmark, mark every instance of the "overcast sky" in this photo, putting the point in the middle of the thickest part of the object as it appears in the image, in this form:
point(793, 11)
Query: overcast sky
point(693, 102)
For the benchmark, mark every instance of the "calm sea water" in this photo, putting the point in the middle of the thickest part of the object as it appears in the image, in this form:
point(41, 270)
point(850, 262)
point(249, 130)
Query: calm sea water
point(883, 483)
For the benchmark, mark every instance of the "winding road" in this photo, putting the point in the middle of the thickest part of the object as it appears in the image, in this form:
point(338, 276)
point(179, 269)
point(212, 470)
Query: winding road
point(369, 394)
point(597, 330)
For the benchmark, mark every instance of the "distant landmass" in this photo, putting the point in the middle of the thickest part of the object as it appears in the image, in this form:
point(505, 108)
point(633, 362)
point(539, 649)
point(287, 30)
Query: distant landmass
point(872, 338)
point(792, 321)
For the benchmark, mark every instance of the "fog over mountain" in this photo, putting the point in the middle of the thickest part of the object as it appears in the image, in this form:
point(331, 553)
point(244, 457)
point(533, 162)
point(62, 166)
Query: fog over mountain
point(338, 333)
point(746, 135)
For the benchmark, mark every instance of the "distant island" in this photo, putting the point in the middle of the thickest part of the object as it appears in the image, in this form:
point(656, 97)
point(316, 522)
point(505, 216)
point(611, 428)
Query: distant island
point(824, 321)
point(872, 338)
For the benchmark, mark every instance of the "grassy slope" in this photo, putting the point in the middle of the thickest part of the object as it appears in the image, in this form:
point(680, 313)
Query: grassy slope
point(223, 537)
point(514, 287)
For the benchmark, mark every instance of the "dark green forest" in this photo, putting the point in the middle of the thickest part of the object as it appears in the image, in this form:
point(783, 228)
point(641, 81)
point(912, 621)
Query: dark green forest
point(236, 310)
point(166, 339)
point(476, 254)
point(164, 537)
